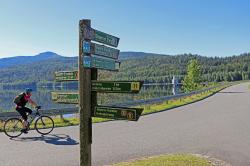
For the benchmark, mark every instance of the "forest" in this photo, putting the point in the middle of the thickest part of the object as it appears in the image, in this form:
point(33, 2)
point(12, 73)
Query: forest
point(135, 66)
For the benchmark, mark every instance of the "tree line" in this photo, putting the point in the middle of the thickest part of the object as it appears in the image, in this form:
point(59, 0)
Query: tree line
point(150, 68)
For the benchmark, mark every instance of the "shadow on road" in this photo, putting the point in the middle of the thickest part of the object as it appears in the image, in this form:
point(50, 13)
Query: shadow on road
point(55, 139)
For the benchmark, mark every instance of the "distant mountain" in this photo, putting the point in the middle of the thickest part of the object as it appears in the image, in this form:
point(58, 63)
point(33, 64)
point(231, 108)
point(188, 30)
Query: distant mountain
point(37, 71)
point(20, 60)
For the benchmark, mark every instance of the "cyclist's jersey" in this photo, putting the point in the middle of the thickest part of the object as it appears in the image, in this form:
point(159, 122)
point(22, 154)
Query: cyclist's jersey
point(23, 100)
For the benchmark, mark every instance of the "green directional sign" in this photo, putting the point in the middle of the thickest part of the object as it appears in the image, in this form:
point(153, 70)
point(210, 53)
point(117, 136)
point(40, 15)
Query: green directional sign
point(117, 86)
point(100, 50)
point(66, 76)
point(100, 63)
point(65, 97)
point(121, 113)
point(98, 36)
point(106, 38)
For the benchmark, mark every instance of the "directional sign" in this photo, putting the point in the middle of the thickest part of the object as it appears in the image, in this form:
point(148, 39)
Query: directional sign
point(117, 86)
point(86, 47)
point(132, 114)
point(66, 76)
point(100, 63)
point(92, 34)
point(100, 50)
point(65, 97)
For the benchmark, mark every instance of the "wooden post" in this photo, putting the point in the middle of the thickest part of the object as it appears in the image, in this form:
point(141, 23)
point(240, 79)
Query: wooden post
point(166, 102)
point(61, 118)
point(84, 101)
point(94, 75)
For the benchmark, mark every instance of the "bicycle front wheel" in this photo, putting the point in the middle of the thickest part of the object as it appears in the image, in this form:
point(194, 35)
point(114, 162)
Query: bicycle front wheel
point(12, 127)
point(44, 125)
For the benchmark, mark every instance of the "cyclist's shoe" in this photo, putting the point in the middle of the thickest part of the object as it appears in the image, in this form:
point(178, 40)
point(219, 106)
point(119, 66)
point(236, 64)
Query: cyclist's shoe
point(25, 131)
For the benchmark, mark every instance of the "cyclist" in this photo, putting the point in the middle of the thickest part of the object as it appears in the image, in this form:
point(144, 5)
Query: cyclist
point(21, 100)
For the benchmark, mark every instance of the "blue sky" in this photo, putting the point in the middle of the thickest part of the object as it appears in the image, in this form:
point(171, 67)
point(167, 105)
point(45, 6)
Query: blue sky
point(205, 27)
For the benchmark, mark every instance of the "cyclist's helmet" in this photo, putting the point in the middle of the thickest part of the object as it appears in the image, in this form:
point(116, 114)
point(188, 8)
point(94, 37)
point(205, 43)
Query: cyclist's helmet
point(28, 90)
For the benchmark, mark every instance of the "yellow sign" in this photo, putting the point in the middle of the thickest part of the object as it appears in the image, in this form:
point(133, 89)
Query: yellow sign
point(135, 86)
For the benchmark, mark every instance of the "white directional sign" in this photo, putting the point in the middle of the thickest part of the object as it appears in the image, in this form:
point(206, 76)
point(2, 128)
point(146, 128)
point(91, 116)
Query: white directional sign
point(101, 50)
point(92, 34)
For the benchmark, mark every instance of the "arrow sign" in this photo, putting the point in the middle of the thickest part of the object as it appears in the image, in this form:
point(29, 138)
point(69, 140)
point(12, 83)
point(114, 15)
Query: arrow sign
point(98, 36)
point(117, 86)
point(101, 50)
point(100, 63)
point(66, 76)
point(121, 113)
point(65, 97)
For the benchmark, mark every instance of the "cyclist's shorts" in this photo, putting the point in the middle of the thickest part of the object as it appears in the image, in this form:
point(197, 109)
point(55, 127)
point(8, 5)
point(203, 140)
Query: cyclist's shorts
point(22, 111)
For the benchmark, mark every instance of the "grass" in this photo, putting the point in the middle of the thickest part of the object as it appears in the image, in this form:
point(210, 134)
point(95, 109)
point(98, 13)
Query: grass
point(169, 160)
point(169, 104)
point(73, 121)
point(62, 122)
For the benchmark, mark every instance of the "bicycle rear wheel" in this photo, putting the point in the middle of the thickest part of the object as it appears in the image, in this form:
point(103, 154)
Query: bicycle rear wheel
point(13, 127)
point(44, 125)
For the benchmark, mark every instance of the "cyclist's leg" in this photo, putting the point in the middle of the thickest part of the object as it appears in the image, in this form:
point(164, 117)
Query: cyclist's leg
point(27, 110)
point(22, 112)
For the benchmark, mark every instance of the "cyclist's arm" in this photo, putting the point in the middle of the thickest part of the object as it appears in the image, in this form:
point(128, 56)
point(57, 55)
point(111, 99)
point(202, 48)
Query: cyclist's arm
point(32, 102)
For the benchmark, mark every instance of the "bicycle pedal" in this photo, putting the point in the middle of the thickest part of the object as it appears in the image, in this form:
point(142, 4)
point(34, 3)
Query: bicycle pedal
point(25, 131)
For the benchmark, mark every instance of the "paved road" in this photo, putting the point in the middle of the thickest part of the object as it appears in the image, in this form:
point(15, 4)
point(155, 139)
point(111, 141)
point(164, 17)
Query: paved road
point(218, 126)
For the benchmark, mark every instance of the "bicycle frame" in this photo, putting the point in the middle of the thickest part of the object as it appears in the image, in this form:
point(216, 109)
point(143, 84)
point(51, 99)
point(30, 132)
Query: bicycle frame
point(33, 118)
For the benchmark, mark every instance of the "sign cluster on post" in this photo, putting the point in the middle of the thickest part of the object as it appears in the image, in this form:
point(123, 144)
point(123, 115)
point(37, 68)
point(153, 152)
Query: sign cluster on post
point(104, 58)
point(93, 56)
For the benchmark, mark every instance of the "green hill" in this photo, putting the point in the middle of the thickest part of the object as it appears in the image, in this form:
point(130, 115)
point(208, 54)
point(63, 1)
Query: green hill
point(135, 66)
point(161, 68)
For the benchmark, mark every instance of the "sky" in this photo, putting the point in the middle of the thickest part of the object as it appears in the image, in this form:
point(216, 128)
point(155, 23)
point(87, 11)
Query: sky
point(204, 27)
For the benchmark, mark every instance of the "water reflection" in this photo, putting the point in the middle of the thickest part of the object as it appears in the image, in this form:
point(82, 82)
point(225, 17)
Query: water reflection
point(42, 95)
point(43, 98)
point(147, 92)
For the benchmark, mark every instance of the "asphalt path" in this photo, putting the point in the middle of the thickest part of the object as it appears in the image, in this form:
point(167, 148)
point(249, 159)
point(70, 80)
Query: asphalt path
point(218, 126)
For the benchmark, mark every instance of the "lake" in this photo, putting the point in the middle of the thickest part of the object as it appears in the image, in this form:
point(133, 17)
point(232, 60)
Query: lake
point(42, 95)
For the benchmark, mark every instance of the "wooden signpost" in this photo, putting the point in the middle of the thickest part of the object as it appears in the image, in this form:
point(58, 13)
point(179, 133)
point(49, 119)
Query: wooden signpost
point(93, 56)
point(86, 99)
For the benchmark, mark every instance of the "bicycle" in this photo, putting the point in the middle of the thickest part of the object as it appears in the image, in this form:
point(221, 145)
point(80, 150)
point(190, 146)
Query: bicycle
point(43, 124)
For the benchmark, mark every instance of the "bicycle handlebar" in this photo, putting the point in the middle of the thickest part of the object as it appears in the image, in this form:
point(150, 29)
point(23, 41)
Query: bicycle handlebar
point(37, 110)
